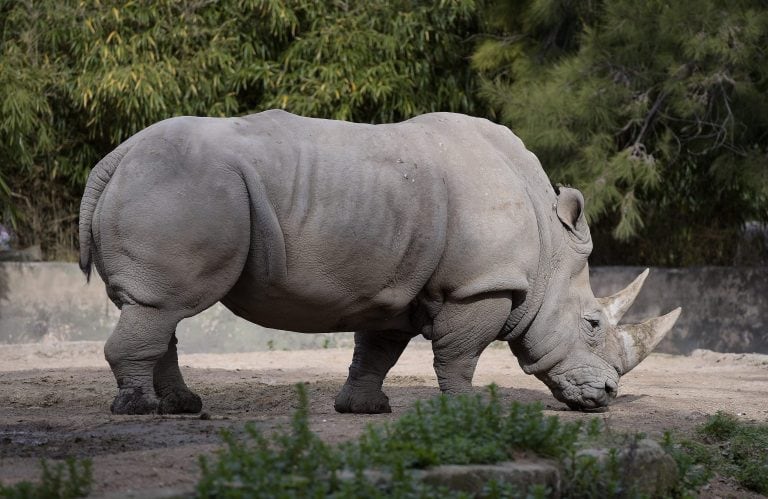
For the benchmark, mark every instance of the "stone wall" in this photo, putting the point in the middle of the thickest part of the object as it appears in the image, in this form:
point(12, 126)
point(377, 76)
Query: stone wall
point(724, 309)
point(50, 301)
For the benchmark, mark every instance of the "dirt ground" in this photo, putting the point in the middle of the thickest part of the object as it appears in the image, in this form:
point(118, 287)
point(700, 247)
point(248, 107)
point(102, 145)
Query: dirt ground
point(54, 403)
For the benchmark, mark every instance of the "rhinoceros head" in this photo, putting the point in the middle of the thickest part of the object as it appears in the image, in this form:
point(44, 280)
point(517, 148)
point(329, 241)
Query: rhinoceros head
point(575, 343)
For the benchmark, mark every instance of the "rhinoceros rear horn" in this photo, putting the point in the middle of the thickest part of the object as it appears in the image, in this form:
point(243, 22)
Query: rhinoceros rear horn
point(615, 306)
point(636, 341)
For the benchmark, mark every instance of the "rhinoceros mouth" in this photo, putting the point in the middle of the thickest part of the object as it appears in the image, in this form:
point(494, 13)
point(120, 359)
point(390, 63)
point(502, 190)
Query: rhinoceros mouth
point(594, 398)
point(582, 390)
point(597, 409)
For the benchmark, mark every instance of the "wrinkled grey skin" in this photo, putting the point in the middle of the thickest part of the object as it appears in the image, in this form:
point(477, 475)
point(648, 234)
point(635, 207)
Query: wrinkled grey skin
point(443, 225)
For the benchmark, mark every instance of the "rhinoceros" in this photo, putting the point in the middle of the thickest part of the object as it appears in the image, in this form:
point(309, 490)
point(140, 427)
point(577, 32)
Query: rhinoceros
point(444, 226)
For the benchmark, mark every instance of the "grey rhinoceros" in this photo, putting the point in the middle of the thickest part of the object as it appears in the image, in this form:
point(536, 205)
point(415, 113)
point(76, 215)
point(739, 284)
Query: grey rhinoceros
point(443, 225)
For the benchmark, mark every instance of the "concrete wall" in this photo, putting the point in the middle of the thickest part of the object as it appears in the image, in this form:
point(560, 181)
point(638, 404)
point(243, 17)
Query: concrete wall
point(724, 309)
point(50, 301)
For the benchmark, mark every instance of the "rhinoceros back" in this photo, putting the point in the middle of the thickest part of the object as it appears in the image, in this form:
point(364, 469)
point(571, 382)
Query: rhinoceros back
point(362, 215)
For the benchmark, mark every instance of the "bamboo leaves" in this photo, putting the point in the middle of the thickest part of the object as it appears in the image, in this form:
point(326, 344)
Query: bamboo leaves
point(77, 77)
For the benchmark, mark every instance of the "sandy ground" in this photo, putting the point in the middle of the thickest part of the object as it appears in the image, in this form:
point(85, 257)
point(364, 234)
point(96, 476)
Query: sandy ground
point(54, 403)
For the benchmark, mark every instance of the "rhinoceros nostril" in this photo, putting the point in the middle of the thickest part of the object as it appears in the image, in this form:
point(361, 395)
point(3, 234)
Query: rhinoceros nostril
point(611, 388)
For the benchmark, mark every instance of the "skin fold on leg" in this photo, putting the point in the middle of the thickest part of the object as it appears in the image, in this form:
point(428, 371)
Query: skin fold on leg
point(175, 397)
point(375, 354)
point(142, 355)
point(461, 332)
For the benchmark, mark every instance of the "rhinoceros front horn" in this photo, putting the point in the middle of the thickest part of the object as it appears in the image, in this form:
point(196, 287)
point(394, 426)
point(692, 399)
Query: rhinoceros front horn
point(636, 341)
point(615, 306)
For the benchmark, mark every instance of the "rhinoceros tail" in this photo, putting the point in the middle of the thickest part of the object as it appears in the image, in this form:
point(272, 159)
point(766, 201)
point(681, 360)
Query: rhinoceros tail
point(94, 187)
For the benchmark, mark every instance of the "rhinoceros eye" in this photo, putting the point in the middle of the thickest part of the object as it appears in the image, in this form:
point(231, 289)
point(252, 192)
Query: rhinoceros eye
point(594, 321)
point(592, 327)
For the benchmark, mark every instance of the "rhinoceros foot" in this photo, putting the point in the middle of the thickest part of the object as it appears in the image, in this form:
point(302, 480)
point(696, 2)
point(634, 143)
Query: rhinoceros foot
point(134, 400)
point(360, 401)
point(180, 401)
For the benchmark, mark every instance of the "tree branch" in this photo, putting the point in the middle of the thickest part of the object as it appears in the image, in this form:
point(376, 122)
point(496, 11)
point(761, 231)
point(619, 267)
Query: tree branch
point(649, 117)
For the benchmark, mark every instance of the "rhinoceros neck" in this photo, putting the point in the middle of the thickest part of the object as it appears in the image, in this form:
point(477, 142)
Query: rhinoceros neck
point(523, 315)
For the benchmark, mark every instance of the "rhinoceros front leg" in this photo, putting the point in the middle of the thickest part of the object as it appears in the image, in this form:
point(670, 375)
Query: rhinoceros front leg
point(461, 331)
point(137, 351)
point(375, 354)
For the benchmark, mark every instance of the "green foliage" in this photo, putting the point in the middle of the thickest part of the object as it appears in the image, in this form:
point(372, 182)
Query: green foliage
point(382, 462)
point(695, 462)
point(725, 446)
point(721, 426)
point(656, 110)
point(77, 78)
point(298, 464)
point(743, 447)
point(586, 477)
point(66, 480)
point(375, 61)
point(427, 436)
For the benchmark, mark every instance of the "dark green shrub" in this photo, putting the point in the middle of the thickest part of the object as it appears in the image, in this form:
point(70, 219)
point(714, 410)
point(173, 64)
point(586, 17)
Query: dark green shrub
point(721, 426)
point(658, 111)
point(466, 429)
point(444, 430)
point(726, 446)
point(66, 480)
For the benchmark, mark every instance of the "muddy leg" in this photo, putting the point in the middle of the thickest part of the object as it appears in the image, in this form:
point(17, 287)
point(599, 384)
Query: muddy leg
point(462, 331)
point(175, 396)
point(375, 354)
point(139, 340)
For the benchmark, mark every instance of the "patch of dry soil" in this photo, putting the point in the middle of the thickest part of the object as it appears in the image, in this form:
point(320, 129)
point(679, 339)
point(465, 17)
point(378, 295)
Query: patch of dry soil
point(54, 403)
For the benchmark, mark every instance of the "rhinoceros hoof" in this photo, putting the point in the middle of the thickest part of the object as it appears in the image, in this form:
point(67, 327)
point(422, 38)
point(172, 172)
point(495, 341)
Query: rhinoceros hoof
point(134, 400)
point(359, 401)
point(180, 402)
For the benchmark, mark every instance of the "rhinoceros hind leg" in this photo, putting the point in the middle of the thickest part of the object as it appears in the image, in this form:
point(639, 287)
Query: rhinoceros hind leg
point(175, 396)
point(375, 354)
point(180, 401)
point(139, 341)
point(461, 332)
point(134, 400)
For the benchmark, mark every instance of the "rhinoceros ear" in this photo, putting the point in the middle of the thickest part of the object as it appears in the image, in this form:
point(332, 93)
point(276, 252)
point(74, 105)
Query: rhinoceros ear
point(570, 207)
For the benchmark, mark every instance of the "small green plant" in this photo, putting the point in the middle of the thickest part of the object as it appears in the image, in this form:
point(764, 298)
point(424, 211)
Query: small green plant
point(466, 429)
point(586, 477)
point(726, 446)
point(383, 461)
point(744, 448)
point(66, 480)
point(695, 462)
point(720, 427)
point(294, 461)
point(298, 464)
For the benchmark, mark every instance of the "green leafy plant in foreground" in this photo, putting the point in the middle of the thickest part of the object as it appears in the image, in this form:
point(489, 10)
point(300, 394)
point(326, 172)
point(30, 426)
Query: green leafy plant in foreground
point(66, 480)
point(382, 462)
point(462, 430)
point(726, 446)
point(743, 447)
point(693, 463)
point(296, 464)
